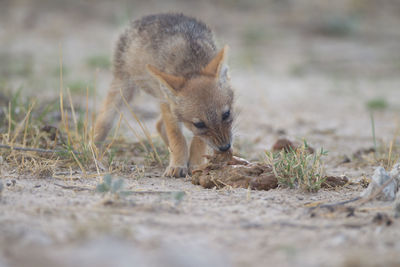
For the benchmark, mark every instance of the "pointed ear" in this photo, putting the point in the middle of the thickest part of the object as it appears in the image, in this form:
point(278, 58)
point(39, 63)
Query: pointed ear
point(214, 67)
point(174, 83)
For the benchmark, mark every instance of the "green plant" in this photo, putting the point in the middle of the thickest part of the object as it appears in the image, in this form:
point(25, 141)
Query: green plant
point(378, 103)
point(374, 105)
point(297, 168)
point(98, 61)
point(80, 87)
point(113, 187)
point(338, 26)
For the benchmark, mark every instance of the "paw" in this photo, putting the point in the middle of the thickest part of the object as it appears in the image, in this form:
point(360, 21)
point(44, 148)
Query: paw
point(194, 168)
point(195, 164)
point(176, 171)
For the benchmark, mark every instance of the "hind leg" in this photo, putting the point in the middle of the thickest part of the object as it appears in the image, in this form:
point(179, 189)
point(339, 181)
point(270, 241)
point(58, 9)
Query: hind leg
point(105, 118)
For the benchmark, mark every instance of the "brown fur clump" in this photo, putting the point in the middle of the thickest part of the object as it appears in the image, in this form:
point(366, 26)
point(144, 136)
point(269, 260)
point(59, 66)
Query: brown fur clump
point(231, 171)
point(287, 146)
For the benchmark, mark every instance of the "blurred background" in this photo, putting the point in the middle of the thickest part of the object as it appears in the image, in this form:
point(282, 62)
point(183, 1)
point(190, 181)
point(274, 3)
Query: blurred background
point(283, 51)
point(343, 37)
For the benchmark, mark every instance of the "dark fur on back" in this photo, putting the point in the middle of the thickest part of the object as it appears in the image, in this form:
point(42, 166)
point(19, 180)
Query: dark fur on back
point(157, 27)
point(157, 32)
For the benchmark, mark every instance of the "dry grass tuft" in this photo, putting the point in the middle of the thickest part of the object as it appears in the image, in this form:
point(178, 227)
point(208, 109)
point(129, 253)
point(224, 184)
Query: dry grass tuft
point(297, 168)
point(56, 139)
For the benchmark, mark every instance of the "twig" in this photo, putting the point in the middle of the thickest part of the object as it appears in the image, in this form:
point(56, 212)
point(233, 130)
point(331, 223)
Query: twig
point(78, 176)
point(73, 187)
point(40, 150)
point(153, 192)
point(333, 205)
point(317, 227)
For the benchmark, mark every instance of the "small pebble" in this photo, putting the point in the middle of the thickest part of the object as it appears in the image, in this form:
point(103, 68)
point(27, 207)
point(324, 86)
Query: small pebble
point(11, 183)
point(281, 131)
point(346, 159)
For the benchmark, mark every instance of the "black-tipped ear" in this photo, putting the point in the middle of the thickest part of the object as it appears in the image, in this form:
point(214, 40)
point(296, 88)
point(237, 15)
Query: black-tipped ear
point(213, 68)
point(174, 83)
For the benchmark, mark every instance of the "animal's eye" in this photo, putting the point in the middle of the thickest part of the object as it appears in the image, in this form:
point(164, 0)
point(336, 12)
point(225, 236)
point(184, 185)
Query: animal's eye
point(226, 115)
point(200, 125)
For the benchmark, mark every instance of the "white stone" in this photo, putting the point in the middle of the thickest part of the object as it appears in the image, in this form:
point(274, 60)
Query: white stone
point(379, 178)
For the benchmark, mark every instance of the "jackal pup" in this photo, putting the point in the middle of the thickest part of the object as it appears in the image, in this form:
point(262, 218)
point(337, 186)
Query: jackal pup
point(174, 58)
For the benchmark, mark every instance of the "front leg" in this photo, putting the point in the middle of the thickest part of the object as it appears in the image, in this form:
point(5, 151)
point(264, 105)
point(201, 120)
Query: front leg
point(177, 144)
point(197, 151)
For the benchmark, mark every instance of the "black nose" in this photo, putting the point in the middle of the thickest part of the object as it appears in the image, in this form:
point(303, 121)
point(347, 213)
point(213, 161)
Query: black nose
point(224, 148)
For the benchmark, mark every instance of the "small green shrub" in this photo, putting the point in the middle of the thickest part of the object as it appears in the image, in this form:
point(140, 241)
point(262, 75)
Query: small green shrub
point(377, 104)
point(298, 168)
point(114, 187)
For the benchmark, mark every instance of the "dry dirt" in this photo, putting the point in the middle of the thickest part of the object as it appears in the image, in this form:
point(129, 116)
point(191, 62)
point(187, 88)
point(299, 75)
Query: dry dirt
point(292, 77)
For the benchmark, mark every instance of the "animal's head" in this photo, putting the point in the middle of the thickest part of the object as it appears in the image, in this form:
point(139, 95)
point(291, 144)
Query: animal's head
point(203, 102)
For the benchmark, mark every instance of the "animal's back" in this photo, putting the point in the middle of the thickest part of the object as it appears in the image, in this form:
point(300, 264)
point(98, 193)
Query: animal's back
point(174, 43)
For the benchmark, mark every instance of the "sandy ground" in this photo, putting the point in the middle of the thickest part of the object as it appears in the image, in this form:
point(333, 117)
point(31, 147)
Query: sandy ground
point(291, 79)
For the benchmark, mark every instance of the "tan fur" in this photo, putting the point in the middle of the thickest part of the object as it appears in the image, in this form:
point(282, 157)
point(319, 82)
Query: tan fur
point(173, 58)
